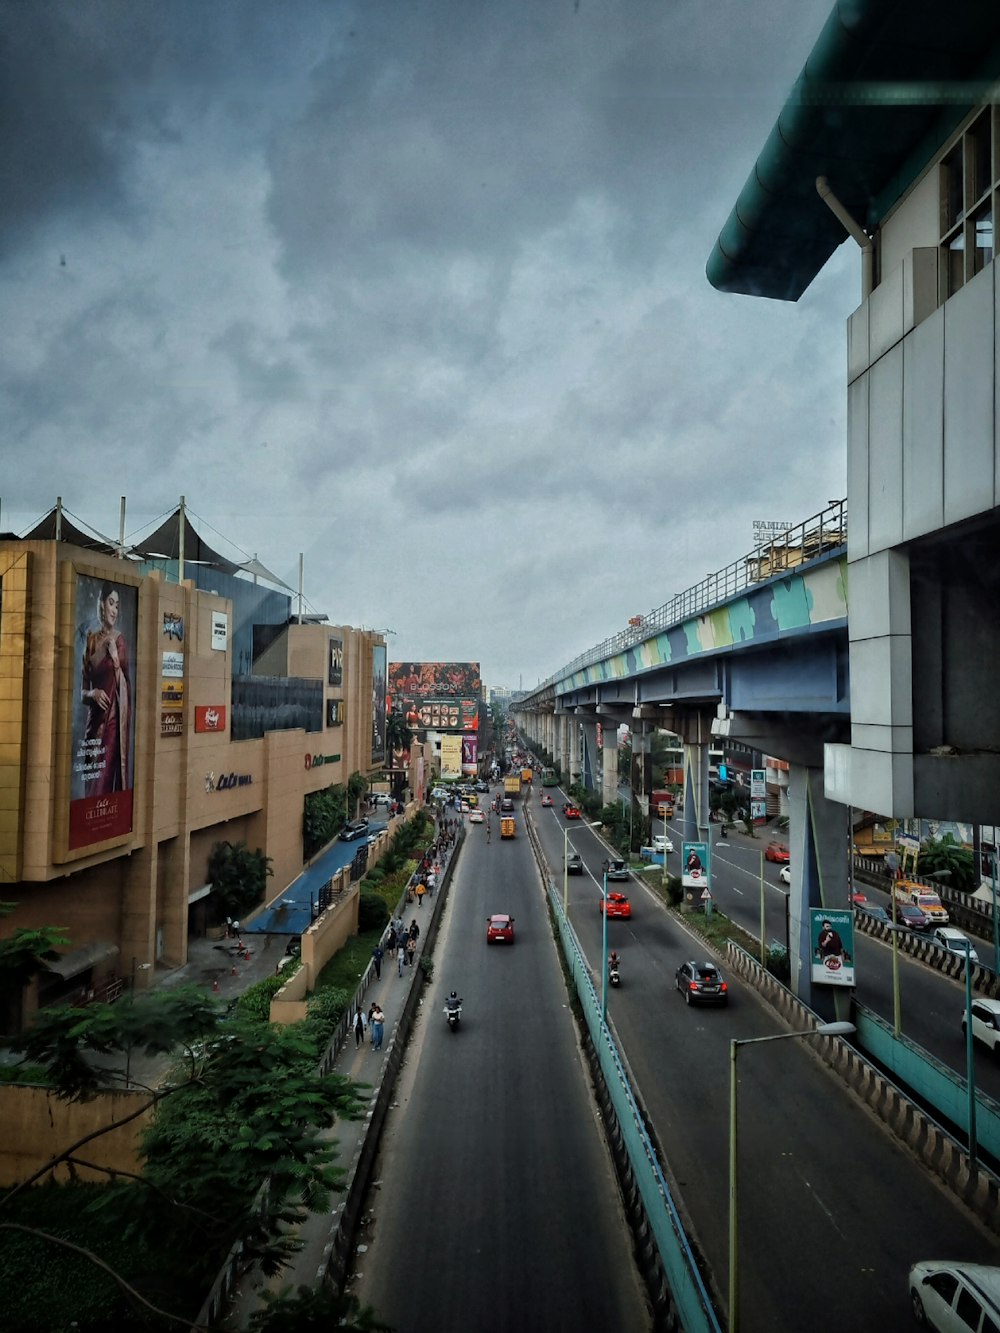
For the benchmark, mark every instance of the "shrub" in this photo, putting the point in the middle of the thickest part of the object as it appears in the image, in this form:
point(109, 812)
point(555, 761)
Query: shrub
point(372, 912)
point(255, 1002)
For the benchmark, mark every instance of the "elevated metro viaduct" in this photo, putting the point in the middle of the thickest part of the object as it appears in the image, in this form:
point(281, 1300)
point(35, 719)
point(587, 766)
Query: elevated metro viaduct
point(767, 666)
point(891, 135)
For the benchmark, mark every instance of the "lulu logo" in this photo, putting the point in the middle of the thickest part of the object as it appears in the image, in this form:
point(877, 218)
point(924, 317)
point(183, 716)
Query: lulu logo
point(211, 717)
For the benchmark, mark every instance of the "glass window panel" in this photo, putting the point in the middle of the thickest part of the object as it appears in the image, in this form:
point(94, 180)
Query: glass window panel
point(952, 187)
point(982, 165)
point(983, 223)
point(956, 262)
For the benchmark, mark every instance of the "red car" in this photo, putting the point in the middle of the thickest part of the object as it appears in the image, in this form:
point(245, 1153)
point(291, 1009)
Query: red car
point(546, 799)
point(777, 851)
point(618, 905)
point(571, 812)
point(500, 929)
point(858, 899)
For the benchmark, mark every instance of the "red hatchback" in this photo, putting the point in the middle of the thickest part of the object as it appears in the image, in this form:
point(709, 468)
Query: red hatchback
point(500, 929)
point(618, 905)
point(777, 851)
point(571, 812)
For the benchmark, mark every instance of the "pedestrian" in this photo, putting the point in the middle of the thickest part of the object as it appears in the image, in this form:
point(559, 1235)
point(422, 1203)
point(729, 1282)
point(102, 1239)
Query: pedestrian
point(360, 1023)
point(414, 930)
point(431, 883)
point(371, 1011)
point(421, 890)
point(378, 1027)
point(401, 956)
point(411, 949)
point(377, 960)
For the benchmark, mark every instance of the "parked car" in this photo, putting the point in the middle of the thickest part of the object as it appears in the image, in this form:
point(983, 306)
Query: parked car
point(615, 868)
point(777, 851)
point(701, 983)
point(500, 929)
point(954, 1297)
point(617, 905)
point(986, 1023)
point(954, 941)
point(912, 917)
point(357, 828)
point(574, 864)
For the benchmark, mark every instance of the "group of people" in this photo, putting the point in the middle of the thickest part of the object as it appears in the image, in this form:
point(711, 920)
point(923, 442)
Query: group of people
point(373, 1022)
point(401, 944)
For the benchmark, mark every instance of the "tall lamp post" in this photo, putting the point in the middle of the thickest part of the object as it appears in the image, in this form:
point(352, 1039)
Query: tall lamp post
point(604, 949)
point(822, 1030)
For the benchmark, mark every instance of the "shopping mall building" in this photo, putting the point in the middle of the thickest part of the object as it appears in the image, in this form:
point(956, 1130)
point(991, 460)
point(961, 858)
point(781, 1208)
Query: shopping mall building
point(152, 704)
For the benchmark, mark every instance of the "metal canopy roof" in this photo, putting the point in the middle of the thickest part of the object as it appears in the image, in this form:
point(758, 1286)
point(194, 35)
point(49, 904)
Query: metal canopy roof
point(885, 85)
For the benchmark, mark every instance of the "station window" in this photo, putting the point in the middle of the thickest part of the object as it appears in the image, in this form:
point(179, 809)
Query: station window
point(969, 179)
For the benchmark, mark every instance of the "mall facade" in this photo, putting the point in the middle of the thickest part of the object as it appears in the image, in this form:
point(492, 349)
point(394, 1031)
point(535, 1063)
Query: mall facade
point(146, 716)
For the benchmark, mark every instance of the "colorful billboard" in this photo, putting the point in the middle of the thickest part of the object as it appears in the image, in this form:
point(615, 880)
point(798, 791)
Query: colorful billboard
point(451, 756)
point(694, 865)
point(335, 672)
point(102, 774)
point(378, 703)
point(440, 696)
point(832, 935)
point(470, 753)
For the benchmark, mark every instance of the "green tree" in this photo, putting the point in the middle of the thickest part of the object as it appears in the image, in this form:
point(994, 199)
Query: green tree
point(948, 861)
point(238, 877)
point(22, 956)
point(314, 1308)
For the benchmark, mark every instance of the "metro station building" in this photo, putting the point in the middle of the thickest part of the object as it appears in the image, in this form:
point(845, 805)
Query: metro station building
point(891, 135)
point(150, 708)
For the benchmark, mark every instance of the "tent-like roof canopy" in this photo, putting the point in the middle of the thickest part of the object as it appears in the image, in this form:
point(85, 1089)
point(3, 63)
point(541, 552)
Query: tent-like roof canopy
point(165, 544)
point(886, 84)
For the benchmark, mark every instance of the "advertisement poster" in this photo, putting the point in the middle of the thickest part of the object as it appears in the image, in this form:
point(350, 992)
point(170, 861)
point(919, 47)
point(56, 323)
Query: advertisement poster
point(220, 631)
point(173, 666)
point(451, 756)
point(212, 717)
point(441, 696)
point(758, 795)
point(470, 750)
point(832, 937)
point(335, 713)
point(378, 703)
point(335, 675)
point(103, 731)
point(694, 865)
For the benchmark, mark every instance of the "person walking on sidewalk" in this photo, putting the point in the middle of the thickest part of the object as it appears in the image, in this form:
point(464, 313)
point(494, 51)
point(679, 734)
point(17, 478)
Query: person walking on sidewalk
point(411, 949)
point(378, 1027)
point(360, 1023)
point(421, 890)
point(401, 956)
point(377, 957)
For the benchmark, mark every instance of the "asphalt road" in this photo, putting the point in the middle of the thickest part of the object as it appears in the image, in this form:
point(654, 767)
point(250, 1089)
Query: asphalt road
point(832, 1211)
point(496, 1207)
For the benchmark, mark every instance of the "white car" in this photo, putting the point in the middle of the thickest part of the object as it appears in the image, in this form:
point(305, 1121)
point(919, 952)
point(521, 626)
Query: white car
point(785, 874)
point(661, 843)
point(954, 941)
point(476, 817)
point(986, 1023)
point(955, 1297)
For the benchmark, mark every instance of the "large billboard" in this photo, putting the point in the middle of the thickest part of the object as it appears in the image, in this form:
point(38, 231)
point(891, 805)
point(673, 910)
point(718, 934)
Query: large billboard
point(102, 772)
point(378, 703)
point(439, 696)
point(451, 756)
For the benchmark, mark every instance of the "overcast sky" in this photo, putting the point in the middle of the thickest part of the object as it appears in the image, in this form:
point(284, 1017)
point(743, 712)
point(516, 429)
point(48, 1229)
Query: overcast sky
point(417, 288)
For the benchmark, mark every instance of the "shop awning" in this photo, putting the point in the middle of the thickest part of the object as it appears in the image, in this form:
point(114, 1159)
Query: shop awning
point(72, 964)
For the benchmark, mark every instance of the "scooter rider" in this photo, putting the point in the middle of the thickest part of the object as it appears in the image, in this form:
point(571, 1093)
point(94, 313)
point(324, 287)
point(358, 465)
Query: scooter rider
point(613, 961)
point(454, 1000)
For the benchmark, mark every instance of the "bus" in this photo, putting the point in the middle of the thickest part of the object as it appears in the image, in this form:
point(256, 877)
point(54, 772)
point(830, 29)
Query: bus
point(549, 777)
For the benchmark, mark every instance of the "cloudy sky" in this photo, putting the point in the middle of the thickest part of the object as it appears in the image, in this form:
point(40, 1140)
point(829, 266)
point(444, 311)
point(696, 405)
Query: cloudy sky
point(416, 288)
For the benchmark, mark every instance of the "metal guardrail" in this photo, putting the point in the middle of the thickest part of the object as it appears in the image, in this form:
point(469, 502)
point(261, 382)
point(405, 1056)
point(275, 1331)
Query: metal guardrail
point(805, 541)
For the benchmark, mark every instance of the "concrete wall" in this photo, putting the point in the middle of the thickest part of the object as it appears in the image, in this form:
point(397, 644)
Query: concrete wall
point(39, 1124)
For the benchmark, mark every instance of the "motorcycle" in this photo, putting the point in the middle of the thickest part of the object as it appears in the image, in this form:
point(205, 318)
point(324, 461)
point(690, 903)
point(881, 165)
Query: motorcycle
point(614, 977)
point(453, 1013)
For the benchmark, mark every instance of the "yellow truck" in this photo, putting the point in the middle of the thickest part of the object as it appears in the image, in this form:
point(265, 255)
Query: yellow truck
point(527, 774)
point(508, 829)
point(908, 891)
point(512, 784)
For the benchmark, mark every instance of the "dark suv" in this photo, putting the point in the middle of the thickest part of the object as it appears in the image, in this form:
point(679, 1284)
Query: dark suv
point(616, 868)
point(574, 864)
point(701, 983)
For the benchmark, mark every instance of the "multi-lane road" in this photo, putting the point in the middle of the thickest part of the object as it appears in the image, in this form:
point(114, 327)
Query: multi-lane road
point(496, 1207)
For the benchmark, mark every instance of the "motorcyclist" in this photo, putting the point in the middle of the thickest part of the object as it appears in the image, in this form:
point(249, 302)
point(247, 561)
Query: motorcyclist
point(454, 1000)
point(613, 961)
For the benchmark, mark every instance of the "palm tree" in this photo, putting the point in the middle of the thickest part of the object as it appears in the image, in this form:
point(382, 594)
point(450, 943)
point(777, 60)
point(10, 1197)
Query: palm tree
point(399, 737)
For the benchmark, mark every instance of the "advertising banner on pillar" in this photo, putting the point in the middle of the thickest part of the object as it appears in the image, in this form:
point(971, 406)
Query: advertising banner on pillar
point(758, 795)
point(470, 751)
point(694, 865)
point(832, 937)
point(451, 756)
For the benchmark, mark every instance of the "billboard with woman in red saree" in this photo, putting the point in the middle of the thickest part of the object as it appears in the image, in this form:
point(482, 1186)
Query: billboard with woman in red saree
point(103, 732)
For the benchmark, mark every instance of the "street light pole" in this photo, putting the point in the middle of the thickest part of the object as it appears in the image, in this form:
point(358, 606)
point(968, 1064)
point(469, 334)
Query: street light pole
point(604, 951)
point(970, 1066)
point(822, 1030)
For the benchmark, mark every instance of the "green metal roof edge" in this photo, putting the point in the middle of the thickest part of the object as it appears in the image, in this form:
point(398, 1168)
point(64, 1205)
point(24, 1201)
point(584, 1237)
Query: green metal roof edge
point(728, 268)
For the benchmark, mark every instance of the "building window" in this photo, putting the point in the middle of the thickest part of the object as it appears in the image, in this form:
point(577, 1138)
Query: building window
point(969, 180)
